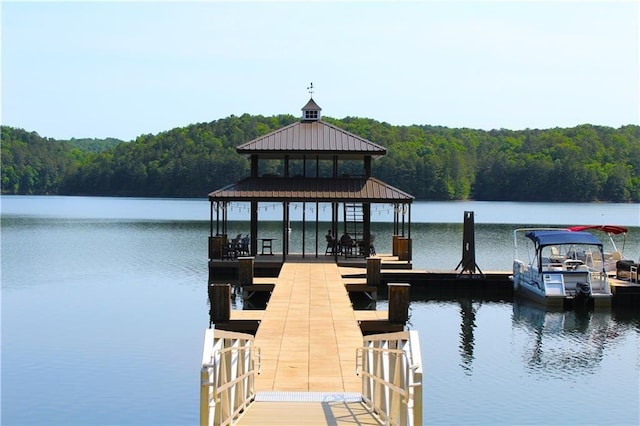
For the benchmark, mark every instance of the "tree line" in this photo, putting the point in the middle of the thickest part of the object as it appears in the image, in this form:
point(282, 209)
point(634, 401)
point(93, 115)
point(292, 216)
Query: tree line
point(579, 164)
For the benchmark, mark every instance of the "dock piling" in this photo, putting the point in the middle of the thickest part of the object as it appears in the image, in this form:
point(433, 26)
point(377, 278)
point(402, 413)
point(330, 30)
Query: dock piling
point(219, 303)
point(399, 302)
point(245, 270)
point(468, 262)
point(374, 275)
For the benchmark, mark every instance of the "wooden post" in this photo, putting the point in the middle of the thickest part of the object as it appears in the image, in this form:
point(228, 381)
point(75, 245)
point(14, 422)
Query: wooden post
point(219, 302)
point(374, 276)
point(245, 271)
point(399, 302)
point(215, 247)
point(394, 245)
point(404, 248)
point(212, 274)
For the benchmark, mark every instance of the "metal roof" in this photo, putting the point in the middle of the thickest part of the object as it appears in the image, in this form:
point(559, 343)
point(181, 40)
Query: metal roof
point(311, 106)
point(314, 138)
point(369, 190)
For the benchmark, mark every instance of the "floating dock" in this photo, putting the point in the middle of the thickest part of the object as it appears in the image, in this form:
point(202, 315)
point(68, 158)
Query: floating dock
point(491, 285)
point(308, 337)
point(625, 292)
point(392, 267)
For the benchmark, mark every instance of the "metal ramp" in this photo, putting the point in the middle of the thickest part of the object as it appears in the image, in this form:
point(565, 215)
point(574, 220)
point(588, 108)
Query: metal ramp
point(295, 408)
point(329, 412)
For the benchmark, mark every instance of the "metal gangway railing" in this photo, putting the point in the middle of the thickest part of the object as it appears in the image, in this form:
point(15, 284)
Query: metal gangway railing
point(391, 369)
point(230, 363)
point(389, 364)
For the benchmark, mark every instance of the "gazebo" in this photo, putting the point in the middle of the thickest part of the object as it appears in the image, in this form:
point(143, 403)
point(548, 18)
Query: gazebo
point(311, 161)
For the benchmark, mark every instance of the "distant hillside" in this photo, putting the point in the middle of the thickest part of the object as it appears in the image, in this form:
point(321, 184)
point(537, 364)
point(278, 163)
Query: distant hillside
point(35, 165)
point(93, 145)
point(583, 163)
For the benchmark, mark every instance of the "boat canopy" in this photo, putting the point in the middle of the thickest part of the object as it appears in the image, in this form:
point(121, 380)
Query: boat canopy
point(609, 229)
point(561, 236)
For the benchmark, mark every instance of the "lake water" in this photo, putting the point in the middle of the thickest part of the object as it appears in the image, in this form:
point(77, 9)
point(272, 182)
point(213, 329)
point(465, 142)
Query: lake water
point(104, 308)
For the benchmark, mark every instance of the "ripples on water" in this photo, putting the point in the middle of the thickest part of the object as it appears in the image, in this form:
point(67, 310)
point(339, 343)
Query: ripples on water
point(103, 320)
point(514, 363)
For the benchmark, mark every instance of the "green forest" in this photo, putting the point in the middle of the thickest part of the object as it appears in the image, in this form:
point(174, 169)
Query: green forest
point(578, 164)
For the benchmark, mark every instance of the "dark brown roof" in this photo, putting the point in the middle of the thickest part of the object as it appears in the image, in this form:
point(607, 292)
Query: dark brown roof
point(311, 139)
point(311, 106)
point(369, 190)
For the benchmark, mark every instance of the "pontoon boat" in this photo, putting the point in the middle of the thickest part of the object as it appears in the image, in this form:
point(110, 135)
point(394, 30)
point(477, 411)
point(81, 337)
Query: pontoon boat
point(556, 270)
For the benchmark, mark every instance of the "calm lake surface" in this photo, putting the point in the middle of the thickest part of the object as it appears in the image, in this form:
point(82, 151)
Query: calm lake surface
point(104, 308)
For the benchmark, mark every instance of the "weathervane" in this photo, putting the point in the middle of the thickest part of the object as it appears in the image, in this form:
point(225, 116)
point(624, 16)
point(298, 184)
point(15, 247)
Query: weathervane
point(310, 89)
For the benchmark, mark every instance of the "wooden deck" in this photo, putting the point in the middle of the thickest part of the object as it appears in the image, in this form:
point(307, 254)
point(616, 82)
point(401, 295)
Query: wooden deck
point(269, 265)
point(625, 292)
point(309, 333)
point(308, 338)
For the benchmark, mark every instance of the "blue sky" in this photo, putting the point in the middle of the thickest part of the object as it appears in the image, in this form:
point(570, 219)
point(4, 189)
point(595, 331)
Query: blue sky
point(122, 69)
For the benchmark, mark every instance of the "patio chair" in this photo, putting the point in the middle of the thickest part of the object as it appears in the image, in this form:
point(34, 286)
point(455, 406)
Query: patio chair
point(232, 249)
point(244, 246)
point(331, 245)
point(346, 244)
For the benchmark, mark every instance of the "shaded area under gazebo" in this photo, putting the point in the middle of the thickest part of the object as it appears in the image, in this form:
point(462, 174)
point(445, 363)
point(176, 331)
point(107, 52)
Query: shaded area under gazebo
point(338, 192)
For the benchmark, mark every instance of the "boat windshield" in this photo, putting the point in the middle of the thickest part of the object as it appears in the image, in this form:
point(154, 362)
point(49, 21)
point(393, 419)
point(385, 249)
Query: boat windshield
point(569, 256)
point(558, 249)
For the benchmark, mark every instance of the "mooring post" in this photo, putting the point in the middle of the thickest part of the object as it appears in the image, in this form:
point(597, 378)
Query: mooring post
point(374, 276)
point(245, 275)
point(398, 302)
point(468, 262)
point(404, 248)
point(216, 246)
point(245, 270)
point(394, 245)
point(219, 302)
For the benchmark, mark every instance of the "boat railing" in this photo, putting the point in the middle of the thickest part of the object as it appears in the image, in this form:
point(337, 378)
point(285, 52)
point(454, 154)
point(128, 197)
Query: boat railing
point(599, 281)
point(391, 370)
point(230, 363)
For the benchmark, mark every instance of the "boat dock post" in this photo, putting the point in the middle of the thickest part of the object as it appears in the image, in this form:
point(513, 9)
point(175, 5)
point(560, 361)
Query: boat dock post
point(468, 261)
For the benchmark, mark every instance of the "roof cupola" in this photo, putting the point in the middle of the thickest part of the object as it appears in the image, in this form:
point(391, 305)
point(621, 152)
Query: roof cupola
point(311, 111)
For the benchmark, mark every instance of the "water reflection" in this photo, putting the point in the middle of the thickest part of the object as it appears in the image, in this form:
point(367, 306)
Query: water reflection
point(467, 304)
point(564, 343)
point(467, 327)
